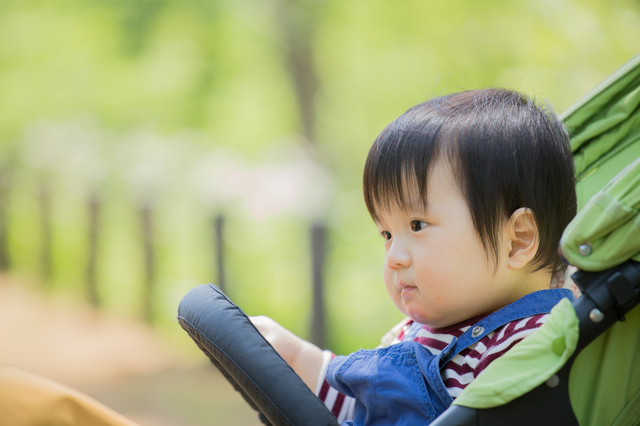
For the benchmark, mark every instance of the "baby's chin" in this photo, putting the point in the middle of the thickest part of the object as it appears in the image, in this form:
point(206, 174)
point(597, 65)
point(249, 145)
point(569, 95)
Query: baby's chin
point(429, 319)
point(422, 316)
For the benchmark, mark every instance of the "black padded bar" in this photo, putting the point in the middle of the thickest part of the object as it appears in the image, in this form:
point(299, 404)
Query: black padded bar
point(457, 415)
point(232, 343)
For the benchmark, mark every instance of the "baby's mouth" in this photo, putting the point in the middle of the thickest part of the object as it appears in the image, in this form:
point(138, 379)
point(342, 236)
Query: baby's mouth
point(406, 289)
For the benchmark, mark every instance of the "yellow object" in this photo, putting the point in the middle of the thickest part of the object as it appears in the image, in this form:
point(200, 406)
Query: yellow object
point(29, 400)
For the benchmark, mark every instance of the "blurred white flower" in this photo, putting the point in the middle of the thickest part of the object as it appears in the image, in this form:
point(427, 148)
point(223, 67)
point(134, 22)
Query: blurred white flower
point(74, 150)
point(150, 162)
point(289, 182)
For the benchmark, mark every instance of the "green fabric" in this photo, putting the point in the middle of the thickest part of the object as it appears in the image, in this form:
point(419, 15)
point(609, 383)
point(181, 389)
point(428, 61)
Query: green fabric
point(609, 224)
point(605, 378)
point(630, 416)
point(605, 129)
point(543, 353)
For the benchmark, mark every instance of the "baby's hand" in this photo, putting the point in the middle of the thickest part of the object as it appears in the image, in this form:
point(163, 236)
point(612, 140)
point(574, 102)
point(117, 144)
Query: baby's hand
point(287, 344)
point(303, 357)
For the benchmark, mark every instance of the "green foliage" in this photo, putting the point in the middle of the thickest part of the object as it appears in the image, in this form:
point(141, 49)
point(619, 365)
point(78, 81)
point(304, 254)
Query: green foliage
point(184, 79)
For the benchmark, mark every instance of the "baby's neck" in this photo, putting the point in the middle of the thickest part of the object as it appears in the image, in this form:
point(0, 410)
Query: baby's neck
point(530, 282)
point(540, 280)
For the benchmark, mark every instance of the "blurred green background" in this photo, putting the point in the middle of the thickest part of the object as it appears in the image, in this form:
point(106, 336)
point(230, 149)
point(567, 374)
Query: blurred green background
point(259, 111)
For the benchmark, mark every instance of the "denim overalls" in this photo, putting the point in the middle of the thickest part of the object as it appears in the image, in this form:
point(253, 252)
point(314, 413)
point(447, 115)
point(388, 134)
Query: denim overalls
point(401, 384)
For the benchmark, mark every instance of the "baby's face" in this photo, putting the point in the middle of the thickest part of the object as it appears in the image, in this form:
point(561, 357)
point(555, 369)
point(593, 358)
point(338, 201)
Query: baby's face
point(436, 269)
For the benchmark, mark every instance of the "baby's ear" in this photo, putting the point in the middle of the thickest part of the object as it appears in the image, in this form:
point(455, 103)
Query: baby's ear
point(523, 237)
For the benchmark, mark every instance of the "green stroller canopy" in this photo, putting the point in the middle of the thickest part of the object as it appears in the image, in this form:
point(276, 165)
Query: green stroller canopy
point(606, 138)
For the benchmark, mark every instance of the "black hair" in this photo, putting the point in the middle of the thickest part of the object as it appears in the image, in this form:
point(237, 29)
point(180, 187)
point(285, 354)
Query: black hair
point(506, 150)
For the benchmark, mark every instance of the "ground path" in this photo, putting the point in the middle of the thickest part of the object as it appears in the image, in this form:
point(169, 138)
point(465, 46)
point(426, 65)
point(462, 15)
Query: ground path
point(122, 363)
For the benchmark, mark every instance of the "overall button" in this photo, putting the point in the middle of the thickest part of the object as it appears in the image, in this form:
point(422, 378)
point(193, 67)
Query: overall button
point(585, 249)
point(477, 330)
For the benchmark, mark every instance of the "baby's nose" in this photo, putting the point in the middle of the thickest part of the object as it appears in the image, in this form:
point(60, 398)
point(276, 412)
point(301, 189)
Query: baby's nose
point(398, 256)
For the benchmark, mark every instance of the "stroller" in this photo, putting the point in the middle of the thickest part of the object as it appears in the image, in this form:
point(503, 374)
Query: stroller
point(581, 367)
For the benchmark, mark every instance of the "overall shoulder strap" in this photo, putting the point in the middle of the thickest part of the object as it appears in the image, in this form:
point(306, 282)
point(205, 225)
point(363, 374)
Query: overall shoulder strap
point(539, 302)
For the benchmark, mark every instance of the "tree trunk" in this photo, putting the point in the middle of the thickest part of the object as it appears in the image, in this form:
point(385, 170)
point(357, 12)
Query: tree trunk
point(298, 24)
point(94, 207)
point(318, 250)
point(5, 260)
point(44, 197)
point(218, 225)
point(146, 213)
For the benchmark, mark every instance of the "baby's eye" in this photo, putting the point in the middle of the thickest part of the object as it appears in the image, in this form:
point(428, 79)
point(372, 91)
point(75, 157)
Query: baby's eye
point(386, 235)
point(418, 225)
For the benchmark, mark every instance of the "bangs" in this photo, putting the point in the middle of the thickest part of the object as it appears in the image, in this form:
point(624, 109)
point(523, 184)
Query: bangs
point(398, 165)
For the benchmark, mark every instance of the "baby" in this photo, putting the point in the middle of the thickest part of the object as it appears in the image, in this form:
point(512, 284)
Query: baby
point(470, 193)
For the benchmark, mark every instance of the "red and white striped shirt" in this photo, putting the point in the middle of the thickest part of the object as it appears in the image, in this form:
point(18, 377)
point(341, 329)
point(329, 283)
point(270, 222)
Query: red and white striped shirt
point(461, 370)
